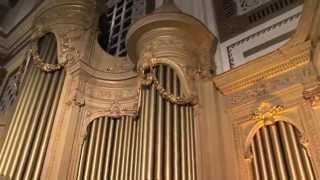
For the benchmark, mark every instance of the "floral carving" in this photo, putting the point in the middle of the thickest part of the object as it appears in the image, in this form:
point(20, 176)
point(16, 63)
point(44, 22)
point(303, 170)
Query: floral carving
point(68, 50)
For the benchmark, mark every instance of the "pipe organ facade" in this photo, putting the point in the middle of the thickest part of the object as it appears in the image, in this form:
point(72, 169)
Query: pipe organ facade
point(124, 90)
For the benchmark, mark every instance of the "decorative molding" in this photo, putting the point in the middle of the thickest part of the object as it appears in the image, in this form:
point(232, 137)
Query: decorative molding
point(263, 88)
point(262, 71)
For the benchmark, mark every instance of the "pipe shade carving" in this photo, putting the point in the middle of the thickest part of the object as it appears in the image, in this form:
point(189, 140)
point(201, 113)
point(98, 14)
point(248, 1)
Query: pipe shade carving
point(160, 144)
point(23, 152)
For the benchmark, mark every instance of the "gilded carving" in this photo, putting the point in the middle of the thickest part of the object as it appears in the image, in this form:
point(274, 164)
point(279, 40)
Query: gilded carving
point(69, 53)
point(266, 113)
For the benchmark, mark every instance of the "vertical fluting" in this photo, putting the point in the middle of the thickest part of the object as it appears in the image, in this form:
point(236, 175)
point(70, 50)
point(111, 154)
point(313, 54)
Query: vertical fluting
point(278, 153)
point(25, 146)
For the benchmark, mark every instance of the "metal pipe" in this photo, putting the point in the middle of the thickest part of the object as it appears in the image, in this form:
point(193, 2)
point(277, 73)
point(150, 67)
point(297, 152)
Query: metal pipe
point(287, 148)
point(26, 117)
point(22, 97)
point(102, 155)
point(194, 172)
point(151, 118)
point(95, 160)
point(110, 144)
point(145, 122)
point(268, 148)
point(92, 139)
point(255, 161)
point(176, 133)
point(82, 159)
point(308, 165)
point(115, 153)
point(188, 151)
point(29, 166)
point(159, 131)
point(261, 154)
point(183, 144)
point(295, 149)
point(47, 133)
point(128, 146)
point(133, 155)
point(168, 129)
point(125, 146)
point(277, 149)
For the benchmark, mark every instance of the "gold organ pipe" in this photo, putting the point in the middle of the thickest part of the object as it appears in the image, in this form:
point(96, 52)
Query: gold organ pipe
point(176, 132)
point(168, 129)
point(132, 160)
point(139, 139)
point(159, 141)
point(188, 151)
point(183, 144)
point(193, 153)
point(49, 128)
point(82, 158)
point(268, 147)
point(22, 110)
point(295, 148)
point(39, 134)
point(27, 116)
point(106, 126)
point(120, 147)
point(255, 161)
point(111, 134)
point(90, 151)
point(281, 166)
point(262, 157)
point(145, 121)
point(115, 151)
point(306, 159)
point(124, 147)
point(25, 89)
point(128, 145)
point(151, 131)
point(96, 149)
point(287, 149)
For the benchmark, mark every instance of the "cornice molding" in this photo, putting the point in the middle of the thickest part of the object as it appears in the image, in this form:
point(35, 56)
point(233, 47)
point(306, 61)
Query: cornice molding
point(266, 67)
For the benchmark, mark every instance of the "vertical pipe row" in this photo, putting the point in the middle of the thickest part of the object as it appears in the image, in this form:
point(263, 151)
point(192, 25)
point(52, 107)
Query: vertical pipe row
point(24, 150)
point(159, 145)
point(278, 154)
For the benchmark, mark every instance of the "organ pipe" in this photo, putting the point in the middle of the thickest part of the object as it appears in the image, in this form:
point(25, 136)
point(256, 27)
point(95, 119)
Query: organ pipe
point(25, 146)
point(278, 154)
point(158, 145)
